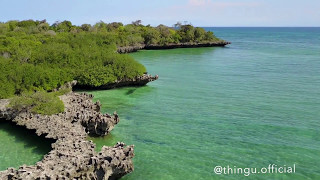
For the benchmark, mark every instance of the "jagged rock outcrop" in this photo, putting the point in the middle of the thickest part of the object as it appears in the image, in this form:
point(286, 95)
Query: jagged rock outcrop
point(6, 113)
point(188, 45)
point(72, 156)
point(137, 81)
point(130, 49)
point(88, 114)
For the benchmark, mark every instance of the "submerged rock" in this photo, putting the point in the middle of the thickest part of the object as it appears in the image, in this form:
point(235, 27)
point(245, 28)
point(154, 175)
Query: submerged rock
point(72, 156)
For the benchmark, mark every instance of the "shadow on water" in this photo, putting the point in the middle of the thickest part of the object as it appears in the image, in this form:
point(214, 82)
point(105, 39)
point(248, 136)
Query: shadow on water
point(179, 51)
point(130, 91)
point(40, 144)
point(139, 91)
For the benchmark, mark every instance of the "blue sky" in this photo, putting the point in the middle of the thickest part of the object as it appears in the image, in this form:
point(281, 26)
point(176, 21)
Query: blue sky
point(154, 12)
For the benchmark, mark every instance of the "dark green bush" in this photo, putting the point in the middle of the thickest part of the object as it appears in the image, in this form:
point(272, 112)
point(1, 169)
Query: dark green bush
point(35, 56)
point(39, 103)
point(16, 78)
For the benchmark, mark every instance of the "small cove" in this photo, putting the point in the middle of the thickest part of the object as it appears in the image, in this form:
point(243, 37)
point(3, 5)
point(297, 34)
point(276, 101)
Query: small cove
point(20, 146)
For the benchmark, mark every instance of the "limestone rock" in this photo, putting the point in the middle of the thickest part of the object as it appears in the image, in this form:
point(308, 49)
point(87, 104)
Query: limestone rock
point(72, 155)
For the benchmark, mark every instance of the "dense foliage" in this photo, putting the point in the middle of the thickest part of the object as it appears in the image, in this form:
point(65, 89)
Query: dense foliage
point(39, 102)
point(37, 56)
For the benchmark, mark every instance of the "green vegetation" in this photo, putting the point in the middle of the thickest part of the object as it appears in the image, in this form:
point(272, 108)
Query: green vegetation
point(36, 56)
point(62, 91)
point(39, 102)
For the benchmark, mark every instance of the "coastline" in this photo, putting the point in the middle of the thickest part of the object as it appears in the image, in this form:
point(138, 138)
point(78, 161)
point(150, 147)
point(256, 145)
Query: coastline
point(72, 155)
point(130, 49)
point(137, 81)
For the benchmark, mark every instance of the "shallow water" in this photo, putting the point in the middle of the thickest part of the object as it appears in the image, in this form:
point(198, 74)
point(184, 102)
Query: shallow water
point(251, 104)
point(20, 146)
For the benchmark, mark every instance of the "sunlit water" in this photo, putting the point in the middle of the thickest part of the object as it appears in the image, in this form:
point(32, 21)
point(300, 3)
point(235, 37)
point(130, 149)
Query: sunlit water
point(251, 104)
point(19, 146)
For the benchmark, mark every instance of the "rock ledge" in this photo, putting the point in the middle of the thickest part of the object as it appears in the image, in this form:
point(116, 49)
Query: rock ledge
point(130, 49)
point(72, 156)
point(137, 81)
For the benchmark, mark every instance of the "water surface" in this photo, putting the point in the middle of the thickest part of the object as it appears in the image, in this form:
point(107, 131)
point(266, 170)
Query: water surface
point(19, 146)
point(251, 104)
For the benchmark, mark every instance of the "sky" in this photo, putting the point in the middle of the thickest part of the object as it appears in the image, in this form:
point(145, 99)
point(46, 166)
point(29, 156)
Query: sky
point(213, 13)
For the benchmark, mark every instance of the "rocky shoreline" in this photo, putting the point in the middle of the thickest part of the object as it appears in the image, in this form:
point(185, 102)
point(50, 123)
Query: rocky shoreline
point(137, 81)
point(130, 49)
point(72, 155)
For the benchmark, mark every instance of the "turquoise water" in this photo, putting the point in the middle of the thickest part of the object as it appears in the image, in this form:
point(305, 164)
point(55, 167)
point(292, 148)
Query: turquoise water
point(19, 146)
point(251, 104)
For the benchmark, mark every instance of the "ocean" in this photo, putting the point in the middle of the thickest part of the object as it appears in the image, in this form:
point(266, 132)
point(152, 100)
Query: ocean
point(251, 104)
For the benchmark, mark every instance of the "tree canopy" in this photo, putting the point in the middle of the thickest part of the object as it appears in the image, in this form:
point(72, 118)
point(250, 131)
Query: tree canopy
point(37, 56)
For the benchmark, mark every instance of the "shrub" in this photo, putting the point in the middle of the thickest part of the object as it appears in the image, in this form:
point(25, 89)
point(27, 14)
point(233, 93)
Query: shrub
point(35, 56)
point(62, 91)
point(39, 103)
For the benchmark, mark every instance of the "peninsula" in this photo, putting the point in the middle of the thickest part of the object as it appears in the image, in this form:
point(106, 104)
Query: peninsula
point(37, 56)
point(72, 155)
point(41, 63)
